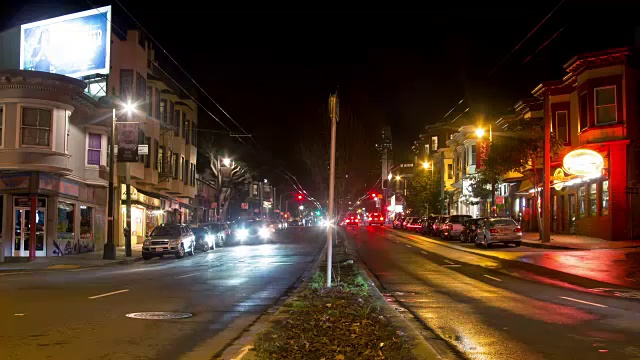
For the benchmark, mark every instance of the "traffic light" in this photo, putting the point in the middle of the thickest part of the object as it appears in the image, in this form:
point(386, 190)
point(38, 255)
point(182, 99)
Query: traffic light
point(374, 195)
point(300, 197)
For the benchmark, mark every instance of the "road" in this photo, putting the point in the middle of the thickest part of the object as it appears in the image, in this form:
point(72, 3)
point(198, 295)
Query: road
point(80, 313)
point(475, 303)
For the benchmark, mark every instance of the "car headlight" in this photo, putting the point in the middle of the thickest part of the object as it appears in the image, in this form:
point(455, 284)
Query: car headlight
point(209, 238)
point(242, 233)
point(264, 233)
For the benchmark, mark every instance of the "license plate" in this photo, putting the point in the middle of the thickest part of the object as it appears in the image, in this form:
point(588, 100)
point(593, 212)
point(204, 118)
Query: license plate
point(159, 249)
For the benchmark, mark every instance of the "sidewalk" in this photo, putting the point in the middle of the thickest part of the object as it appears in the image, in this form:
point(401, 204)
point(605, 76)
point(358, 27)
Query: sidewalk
point(576, 242)
point(92, 259)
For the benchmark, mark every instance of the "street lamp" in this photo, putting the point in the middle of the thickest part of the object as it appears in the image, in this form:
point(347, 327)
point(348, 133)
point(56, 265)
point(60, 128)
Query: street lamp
point(301, 207)
point(226, 162)
point(479, 132)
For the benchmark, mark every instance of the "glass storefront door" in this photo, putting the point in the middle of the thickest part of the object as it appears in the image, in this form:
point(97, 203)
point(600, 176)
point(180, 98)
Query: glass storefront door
point(22, 232)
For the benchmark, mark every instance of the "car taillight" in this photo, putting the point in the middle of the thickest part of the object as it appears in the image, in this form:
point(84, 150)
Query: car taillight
point(381, 218)
point(518, 229)
point(493, 231)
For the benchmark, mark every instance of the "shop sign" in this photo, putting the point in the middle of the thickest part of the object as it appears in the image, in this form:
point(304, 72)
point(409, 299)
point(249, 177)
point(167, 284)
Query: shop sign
point(24, 201)
point(583, 162)
point(134, 192)
point(63, 186)
point(559, 179)
point(482, 150)
point(127, 134)
point(14, 182)
point(499, 200)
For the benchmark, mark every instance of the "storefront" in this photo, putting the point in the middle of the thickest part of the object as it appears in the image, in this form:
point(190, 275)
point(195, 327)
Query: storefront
point(69, 216)
point(146, 213)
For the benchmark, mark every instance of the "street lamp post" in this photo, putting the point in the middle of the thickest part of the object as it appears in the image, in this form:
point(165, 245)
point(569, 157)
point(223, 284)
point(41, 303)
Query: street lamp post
point(129, 108)
point(109, 246)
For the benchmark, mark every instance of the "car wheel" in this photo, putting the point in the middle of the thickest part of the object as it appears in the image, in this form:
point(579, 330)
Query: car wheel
point(518, 243)
point(180, 252)
point(205, 247)
point(146, 257)
point(192, 251)
point(461, 238)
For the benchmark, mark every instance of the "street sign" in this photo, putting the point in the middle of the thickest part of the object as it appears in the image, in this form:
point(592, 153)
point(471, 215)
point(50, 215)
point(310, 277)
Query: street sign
point(632, 190)
point(143, 149)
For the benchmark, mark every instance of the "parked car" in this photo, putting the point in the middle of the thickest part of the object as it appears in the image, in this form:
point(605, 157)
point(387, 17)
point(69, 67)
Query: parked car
point(470, 230)
point(499, 231)
point(221, 232)
point(427, 226)
point(415, 224)
point(407, 221)
point(169, 240)
point(437, 225)
point(205, 240)
point(376, 219)
point(397, 223)
point(453, 227)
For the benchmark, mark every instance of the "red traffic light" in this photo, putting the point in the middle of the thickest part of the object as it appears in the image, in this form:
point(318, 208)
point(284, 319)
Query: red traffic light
point(374, 195)
point(300, 197)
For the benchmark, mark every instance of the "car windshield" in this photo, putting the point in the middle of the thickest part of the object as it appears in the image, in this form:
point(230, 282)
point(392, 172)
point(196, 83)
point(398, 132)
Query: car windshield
point(459, 219)
point(254, 223)
point(166, 231)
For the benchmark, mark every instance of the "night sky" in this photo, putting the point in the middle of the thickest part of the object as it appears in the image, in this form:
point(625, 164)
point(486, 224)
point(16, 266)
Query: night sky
point(272, 68)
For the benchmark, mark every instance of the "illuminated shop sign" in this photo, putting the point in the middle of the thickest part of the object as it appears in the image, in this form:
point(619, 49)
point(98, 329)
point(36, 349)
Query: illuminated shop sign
point(583, 162)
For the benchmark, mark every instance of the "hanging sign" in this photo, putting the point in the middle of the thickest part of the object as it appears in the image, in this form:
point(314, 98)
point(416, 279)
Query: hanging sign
point(127, 133)
point(583, 162)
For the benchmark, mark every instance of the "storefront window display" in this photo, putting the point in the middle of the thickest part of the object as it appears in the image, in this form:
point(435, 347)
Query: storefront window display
point(87, 240)
point(593, 203)
point(604, 210)
point(582, 200)
point(65, 243)
point(154, 218)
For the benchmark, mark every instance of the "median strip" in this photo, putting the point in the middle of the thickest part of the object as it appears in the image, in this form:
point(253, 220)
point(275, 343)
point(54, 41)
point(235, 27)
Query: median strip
point(108, 294)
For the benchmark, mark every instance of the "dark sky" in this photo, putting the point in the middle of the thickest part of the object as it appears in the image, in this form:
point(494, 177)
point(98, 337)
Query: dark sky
point(272, 68)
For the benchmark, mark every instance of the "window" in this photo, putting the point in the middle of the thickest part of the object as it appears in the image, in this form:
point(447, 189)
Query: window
point(36, 126)
point(163, 111)
point(472, 159)
point(160, 157)
point(65, 232)
point(426, 148)
point(583, 103)
point(94, 149)
point(86, 229)
point(582, 201)
point(67, 132)
point(604, 210)
point(605, 105)
point(156, 103)
point(434, 143)
point(174, 165)
point(176, 122)
point(186, 168)
point(187, 126)
point(254, 190)
point(184, 128)
point(194, 135)
point(449, 171)
point(562, 126)
point(141, 87)
point(156, 148)
point(149, 101)
point(193, 175)
point(126, 85)
point(1, 123)
point(183, 170)
point(593, 203)
point(147, 158)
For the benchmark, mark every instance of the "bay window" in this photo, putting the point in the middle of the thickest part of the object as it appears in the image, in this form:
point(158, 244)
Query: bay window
point(605, 105)
point(562, 126)
point(94, 149)
point(36, 127)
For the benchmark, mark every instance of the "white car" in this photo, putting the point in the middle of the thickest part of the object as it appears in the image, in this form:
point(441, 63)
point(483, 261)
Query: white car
point(499, 231)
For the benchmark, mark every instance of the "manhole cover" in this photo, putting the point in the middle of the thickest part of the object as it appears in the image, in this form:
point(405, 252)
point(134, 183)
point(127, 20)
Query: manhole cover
point(157, 315)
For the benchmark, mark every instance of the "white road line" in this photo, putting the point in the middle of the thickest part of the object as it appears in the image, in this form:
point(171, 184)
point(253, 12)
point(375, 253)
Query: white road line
point(408, 246)
point(424, 252)
point(16, 273)
point(449, 262)
point(184, 276)
point(492, 278)
point(18, 314)
point(108, 294)
point(452, 265)
point(582, 301)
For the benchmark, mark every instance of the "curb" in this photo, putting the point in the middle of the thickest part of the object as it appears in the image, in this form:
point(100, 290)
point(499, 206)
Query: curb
point(422, 349)
point(548, 246)
point(242, 347)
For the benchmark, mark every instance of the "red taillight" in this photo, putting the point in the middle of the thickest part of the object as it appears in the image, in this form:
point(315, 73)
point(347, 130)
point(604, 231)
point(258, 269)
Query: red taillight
point(493, 231)
point(518, 229)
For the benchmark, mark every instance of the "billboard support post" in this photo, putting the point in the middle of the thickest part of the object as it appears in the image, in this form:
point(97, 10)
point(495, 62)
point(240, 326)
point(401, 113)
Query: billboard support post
point(109, 246)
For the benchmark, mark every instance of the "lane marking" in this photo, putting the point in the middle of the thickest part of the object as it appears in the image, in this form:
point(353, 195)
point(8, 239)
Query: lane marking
point(18, 314)
point(424, 252)
point(491, 277)
point(184, 276)
point(582, 301)
point(449, 262)
point(452, 265)
point(108, 294)
point(16, 273)
point(408, 246)
point(62, 267)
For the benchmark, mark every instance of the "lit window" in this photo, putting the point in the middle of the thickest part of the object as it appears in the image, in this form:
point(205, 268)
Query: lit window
point(604, 210)
point(434, 143)
point(36, 126)
point(426, 149)
point(94, 149)
point(605, 105)
point(582, 206)
point(562, 126)
point(593, 203)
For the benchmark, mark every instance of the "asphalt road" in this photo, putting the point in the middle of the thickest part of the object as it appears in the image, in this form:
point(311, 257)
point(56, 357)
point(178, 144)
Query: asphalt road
point(80, 313)
point(485, 312)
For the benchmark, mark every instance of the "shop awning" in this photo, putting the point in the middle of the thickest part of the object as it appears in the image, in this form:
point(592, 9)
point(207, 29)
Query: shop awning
point(525, 186)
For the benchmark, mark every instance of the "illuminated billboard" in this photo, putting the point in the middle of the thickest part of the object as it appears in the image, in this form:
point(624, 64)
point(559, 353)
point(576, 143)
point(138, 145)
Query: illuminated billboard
point(74, 45)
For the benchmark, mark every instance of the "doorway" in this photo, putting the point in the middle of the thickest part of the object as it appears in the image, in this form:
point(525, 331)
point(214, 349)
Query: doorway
point(22, 233)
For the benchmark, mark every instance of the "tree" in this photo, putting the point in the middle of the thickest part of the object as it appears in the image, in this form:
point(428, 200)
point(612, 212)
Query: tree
point(517, 150)
point(228, 178)
point(425, 193)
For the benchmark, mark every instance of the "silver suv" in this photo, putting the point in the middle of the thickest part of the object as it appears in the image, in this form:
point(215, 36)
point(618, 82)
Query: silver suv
point(169, 240)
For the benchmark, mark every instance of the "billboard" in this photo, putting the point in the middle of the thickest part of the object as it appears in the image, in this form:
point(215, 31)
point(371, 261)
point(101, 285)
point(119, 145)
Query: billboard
point(74, 45)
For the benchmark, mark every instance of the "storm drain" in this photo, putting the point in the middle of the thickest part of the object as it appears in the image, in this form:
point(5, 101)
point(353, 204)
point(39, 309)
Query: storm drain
point(159, 315)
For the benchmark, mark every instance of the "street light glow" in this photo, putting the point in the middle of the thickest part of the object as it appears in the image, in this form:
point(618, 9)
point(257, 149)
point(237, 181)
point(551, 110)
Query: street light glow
point(397, 177)
point(479, 132)
point(389, 177)
point(129, 107)
point(301, 207)
point(226, 161)
point(425, 165)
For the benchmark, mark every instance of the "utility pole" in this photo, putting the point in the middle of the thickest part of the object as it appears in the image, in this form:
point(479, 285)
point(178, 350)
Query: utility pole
point(333, 106)
point(546, 188)
point(109, 246)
